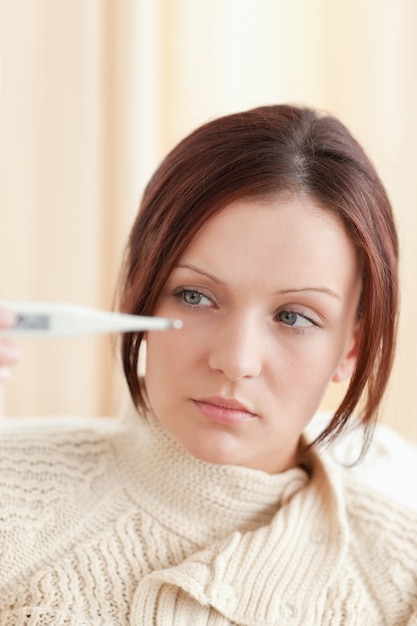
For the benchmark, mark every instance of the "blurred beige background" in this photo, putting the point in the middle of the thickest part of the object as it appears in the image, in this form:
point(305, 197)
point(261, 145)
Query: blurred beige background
point(94, 92)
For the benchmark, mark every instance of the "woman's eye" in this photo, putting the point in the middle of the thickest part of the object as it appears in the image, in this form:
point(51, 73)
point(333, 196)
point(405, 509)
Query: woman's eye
point(193, 297)
point(291, 318)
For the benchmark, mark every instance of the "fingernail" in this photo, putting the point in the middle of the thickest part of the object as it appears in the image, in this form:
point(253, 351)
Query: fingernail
point(6, 317)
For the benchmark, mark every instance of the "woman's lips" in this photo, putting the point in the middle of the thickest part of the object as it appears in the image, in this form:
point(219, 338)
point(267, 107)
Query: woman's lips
point(224, 410)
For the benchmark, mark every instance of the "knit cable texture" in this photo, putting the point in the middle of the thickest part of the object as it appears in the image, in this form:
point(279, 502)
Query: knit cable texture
point(125, 528)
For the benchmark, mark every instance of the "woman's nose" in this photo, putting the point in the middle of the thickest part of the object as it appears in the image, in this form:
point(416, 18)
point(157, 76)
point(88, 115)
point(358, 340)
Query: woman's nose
point(237, 349)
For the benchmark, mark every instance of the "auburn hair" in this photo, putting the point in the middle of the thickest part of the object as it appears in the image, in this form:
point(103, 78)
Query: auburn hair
point(268, 151)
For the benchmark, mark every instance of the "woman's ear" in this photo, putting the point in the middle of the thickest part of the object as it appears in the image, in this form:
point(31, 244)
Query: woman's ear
point(347, 364)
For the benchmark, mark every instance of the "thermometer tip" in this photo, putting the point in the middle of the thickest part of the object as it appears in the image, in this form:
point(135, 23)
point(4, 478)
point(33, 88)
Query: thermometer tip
point(177, 323)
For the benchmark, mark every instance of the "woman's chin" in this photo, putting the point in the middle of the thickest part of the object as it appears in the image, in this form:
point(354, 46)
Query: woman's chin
point(219, 450)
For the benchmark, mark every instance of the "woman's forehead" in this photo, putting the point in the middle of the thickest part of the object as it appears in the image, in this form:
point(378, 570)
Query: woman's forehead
point(293, 238)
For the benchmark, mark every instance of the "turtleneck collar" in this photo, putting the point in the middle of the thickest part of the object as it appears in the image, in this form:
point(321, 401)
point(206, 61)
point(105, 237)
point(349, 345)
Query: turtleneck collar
point(196, 499)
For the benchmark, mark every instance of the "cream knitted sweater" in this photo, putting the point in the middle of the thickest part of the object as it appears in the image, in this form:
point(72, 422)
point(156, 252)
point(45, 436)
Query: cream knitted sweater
point(124, 527)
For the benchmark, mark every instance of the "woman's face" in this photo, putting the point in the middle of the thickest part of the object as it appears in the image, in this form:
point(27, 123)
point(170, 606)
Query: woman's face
point(268, 293)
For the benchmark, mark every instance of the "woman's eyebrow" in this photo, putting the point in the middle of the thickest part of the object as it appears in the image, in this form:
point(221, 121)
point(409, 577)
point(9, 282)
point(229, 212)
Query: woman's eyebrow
point(282, 292)
point(199, 270)
point(325, 290)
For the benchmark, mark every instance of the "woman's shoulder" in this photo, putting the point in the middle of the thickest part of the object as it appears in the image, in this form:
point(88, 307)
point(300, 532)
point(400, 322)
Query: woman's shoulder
point(386, 469)
point(383, 541)
point(379, 491)
point(57, 484)
point(370, 506)
point(51, 440)
point(379, 524)
point(45, 468)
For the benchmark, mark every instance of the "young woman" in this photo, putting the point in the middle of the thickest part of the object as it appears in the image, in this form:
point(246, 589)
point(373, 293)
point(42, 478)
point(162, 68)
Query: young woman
point(270, 235)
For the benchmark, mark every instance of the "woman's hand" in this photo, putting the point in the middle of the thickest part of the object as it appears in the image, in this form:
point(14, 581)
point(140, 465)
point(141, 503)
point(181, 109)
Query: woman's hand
point(9, 353)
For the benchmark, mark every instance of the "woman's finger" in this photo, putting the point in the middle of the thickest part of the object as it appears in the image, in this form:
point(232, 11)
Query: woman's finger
point(6, 318)
point(9, 353)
